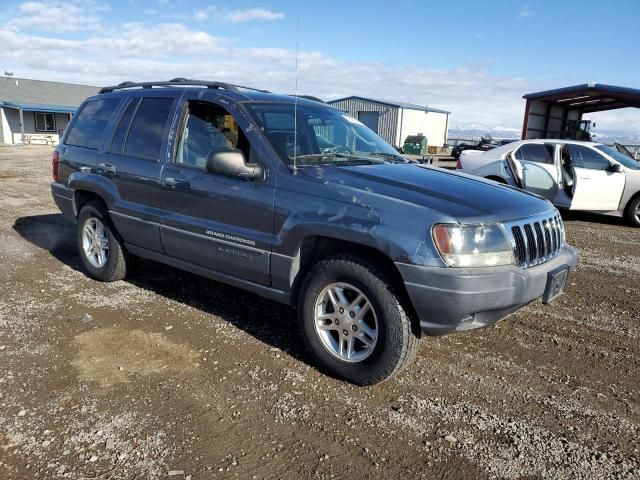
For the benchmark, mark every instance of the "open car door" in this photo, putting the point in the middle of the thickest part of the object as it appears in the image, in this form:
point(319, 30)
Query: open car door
point(597, 185)
point(533, 165)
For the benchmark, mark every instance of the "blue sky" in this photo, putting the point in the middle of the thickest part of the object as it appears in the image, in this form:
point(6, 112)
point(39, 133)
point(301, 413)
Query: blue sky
point(473, 58)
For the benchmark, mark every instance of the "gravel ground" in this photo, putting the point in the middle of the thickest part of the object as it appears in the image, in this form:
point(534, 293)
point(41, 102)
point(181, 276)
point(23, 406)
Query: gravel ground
point(168, 375)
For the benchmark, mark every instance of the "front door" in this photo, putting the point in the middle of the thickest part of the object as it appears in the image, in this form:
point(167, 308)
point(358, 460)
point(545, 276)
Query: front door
point(595, 187)
point(536, 169)
point(221, 223)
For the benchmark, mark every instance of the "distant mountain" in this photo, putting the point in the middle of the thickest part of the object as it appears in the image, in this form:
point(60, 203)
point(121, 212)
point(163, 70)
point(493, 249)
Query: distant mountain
point(615, 137)
point(475, 131)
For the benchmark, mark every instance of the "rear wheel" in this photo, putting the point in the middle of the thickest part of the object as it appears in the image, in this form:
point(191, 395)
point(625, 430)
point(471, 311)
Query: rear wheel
point(633, 212)
point(101, 250)
point(353, 321)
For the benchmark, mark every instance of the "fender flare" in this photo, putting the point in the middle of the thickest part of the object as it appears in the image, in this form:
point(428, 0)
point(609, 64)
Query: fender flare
point(97, 184)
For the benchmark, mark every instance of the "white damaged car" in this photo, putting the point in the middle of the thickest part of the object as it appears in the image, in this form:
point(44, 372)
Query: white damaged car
point(572, 175)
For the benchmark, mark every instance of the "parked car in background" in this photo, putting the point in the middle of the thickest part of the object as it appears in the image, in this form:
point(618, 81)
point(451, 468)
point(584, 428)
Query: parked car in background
point(485, 144)
point(373, 249)
point(571, 174)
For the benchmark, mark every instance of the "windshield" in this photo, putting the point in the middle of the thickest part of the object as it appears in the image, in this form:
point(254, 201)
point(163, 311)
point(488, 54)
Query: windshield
point(619, 157)
point(324, 135)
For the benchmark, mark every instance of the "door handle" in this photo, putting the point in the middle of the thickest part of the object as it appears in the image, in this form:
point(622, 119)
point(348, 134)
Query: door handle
point(176, 183)
point(107, 167)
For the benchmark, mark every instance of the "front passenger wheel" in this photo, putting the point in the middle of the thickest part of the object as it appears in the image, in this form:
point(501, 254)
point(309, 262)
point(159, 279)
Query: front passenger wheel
point(353, 321)
point(101, 250)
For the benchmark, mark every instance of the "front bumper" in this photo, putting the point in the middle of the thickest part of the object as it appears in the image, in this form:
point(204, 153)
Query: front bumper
point(449, 300)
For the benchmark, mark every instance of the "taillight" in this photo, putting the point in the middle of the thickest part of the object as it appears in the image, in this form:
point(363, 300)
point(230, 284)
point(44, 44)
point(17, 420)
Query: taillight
point(458, 164)
point(55, 163)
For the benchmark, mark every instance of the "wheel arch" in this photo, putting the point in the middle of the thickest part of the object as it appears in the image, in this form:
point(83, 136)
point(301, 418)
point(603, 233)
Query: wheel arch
point(315, 248)
point(626, 212)
point(88, 186)
point(82, 197)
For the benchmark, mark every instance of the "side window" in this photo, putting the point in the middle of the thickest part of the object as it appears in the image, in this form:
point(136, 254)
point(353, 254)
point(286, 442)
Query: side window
point(120, 135)
point(144, 139)
point(45, 122)
point(207, 128)
point(91, 122)
point(584, 157)
point(533, 152)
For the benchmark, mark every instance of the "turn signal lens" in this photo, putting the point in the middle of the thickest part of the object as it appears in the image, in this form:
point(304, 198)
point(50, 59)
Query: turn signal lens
point(480, 245)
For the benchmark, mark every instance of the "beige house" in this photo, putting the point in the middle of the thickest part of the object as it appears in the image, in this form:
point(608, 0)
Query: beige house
point(36, 111)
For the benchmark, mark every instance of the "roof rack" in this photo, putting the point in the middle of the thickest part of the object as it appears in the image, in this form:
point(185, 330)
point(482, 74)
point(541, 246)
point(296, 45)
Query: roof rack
point(308, 97)
point(180, 82)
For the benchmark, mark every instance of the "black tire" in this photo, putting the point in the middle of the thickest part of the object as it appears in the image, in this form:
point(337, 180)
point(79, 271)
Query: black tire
point(115, 267)
point(396, 345)
point(633, 212)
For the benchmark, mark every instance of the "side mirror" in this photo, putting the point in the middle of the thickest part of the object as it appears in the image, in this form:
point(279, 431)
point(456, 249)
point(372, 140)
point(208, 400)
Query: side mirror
point(233, 164)
point(614, 168)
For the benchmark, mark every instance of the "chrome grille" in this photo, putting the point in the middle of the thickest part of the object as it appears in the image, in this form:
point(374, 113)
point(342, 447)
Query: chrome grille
point(536, 240)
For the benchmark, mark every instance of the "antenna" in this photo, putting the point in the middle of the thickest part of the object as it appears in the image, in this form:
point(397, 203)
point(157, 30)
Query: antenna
point(295, 104)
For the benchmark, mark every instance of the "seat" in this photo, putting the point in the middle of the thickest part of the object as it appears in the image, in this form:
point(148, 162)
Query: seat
point(202, 139)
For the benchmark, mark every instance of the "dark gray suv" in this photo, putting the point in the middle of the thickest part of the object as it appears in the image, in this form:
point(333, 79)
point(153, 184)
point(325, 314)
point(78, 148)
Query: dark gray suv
point(298, 202)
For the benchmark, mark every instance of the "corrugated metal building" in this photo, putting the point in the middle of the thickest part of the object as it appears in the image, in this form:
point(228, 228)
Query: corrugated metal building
point(36, 111)
point(395, 121)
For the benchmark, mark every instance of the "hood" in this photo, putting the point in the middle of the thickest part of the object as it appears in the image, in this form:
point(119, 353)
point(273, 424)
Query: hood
point(459, 195)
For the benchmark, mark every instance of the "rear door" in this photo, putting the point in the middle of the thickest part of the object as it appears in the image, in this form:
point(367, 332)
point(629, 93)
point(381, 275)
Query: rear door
point(536, 169)
point(133, 162)
point(594, 187)
point(80, 149)
point(215, 221)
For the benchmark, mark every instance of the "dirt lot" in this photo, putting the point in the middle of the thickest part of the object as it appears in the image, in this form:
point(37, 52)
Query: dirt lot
point(170, 375)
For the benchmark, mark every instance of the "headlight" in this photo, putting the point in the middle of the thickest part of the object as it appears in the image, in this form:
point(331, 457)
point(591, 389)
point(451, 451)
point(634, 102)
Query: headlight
point(482, 245)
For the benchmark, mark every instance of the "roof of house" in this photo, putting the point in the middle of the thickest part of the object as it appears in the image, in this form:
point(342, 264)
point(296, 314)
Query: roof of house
point(39, 107)
point(410, 106)
point(40, 95)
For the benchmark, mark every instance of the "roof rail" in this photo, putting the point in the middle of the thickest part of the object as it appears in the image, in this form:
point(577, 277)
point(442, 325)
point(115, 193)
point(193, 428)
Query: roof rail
point(179, 82)
point(308, 97)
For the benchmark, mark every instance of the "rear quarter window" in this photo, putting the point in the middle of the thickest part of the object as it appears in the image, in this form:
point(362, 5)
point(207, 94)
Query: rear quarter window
point(534, 152)
point(91, 122)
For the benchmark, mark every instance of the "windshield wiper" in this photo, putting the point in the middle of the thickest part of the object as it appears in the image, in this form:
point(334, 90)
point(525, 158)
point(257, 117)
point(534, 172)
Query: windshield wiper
point(345, 159)
point(392, 156)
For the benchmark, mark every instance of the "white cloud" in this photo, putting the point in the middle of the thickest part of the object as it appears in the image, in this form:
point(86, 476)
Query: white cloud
point(172, 50)
point(236, 16)
point(525, 12)
point(135, 51)
point(245, 15)
point(58, 16)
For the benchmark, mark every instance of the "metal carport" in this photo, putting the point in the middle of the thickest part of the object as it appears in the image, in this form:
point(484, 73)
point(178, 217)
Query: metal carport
point(547, 113)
